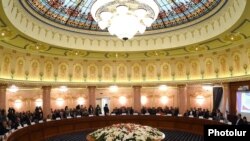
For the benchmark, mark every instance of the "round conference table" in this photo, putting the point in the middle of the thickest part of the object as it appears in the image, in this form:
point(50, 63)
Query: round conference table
point(42, 131)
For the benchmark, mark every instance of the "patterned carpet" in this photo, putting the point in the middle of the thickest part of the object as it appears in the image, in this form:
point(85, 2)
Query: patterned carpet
point(170, 136)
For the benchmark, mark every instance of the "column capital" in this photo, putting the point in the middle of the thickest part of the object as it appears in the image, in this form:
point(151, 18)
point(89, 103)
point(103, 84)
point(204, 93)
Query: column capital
point(225, 85)
point(46, 87)
point(3, 86)
point(181, 86)
point(137, 87)
point(91, 87)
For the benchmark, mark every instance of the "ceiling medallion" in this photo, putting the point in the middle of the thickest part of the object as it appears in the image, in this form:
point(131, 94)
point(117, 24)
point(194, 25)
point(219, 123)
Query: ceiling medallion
point(196, 48)
point(159, 53)
point(76, 53)
point(233, 37)
point(37, 47)
point(5, 33)
point(114, 55)
point(124, 18)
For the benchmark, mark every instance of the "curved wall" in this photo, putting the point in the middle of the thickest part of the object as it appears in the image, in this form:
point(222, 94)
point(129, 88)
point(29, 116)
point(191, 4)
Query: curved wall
point(153, 97)
point(225, 65)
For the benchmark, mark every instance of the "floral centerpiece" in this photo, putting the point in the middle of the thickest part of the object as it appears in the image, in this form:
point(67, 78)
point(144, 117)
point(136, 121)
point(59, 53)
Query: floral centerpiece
point(126, 132)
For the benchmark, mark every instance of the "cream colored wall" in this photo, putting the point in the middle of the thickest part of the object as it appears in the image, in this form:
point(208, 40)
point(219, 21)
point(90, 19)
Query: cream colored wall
point(126, 92)
point(70, 97)
point(27, 96)
point(153, 95)
point(196, 90)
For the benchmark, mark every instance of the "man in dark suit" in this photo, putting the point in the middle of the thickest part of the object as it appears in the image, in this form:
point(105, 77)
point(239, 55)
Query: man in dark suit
point(106, 109)
point(245, 122)
point(239, 120)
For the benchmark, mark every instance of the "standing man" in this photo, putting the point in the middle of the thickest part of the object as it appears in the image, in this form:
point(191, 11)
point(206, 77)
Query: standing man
point(106, 109)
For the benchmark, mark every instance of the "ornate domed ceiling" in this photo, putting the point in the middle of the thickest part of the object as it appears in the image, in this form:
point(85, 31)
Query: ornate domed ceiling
point(48, 27)
point(212, 19)
point(76, 13)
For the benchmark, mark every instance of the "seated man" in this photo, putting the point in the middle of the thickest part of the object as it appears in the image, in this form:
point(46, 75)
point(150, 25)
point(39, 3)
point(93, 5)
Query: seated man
point(130, 110)
point(143, 110)
point(115, 111)
point(153, 111)
point(239, 120)
point(4, 127)
point(245, 122)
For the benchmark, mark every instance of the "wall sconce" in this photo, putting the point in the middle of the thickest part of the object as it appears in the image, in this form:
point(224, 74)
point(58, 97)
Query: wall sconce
point(200, 99)
point(80, 101)
point(13, 88)
point(164, 100)
point(60, 102)
point(163, 87)
point(63, 89)
point(18, 103)
point(144, 100)
point(39, 102)
point(122, 100)
point(113, 88)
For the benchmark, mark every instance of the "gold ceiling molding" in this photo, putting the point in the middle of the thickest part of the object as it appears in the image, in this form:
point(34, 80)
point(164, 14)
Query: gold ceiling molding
point(243, 28)
point(233, 37)
point(215, 25)
point(5, 33)
point(21, 44)
point(197, 48)
point(76, 53)
point(118, 55)
point(156, 53)
point(37, 47)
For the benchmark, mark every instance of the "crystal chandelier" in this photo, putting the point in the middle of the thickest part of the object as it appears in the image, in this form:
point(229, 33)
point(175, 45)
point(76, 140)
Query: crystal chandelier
point(125, 18)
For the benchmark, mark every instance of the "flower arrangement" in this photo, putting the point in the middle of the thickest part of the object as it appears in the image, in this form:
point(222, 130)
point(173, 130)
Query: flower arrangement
point(126, 132)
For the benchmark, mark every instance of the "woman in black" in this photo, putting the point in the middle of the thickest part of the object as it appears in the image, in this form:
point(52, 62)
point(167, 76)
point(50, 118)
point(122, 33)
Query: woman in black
point(98, 110)
point(91, 110)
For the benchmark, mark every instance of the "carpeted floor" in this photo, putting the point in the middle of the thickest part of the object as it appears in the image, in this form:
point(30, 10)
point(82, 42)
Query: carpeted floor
point(170, 136)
